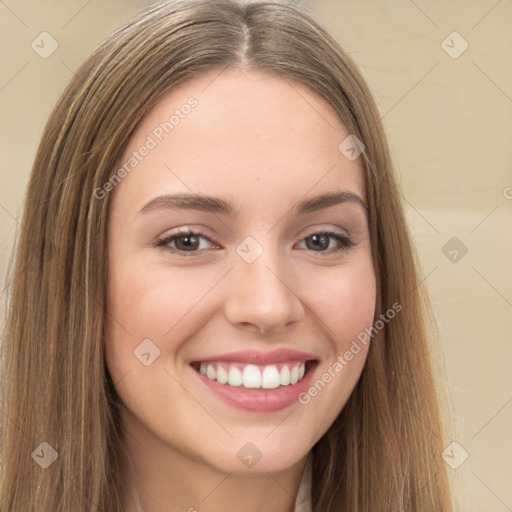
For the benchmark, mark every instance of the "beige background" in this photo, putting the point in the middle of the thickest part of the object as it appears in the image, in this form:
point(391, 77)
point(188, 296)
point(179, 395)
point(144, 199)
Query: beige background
point(449, 125)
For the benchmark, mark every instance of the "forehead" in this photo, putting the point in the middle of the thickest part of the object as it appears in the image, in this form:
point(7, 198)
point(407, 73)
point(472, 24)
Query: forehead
point(244, 135)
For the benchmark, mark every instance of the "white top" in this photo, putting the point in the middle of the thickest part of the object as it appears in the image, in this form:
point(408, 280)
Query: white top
point(303, 501)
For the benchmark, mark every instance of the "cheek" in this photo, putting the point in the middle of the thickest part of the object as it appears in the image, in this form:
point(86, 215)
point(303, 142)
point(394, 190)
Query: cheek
point(151, 304)
point(345, 306)
point(153, 300)
point(345, 302)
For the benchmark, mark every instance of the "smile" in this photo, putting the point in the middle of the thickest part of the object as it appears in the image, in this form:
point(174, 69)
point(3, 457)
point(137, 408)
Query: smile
point(252, 376)
point(256, 381)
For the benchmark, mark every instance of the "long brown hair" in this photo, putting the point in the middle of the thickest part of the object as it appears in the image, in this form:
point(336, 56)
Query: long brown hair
point(382, 453)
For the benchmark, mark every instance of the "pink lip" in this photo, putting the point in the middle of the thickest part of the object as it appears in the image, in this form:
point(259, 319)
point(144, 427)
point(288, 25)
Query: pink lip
point(281, 355)
point(259, 400)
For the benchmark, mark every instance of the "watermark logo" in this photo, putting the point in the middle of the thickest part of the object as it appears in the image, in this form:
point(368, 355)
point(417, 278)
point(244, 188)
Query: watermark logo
point(454, 249)
point(454, 45)
point(45, 455)
point(44, 45)
point(455, 455)
point(249, 454)
point(146, 352)
point(249, 249)
point(351, 147)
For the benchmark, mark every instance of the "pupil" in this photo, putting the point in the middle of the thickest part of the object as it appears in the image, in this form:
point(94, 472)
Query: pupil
point(188, 241)
point(322, 239)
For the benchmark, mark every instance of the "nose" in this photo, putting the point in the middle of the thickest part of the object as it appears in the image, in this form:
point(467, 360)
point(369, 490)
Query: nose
point(261, 294)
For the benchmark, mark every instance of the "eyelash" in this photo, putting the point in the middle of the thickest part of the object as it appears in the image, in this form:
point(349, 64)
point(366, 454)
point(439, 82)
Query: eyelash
point(345, 242)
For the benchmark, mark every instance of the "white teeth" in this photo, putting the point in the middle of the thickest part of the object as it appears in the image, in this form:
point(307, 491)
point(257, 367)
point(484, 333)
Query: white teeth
point(235, 376)
point(210, 372)
point(294, 374)
point(284, 377)
point(253, 376)
point(222, 375)
point(270, 377)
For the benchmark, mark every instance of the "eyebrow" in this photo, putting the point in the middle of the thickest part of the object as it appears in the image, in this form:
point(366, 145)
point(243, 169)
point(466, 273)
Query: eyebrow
point(222, 206)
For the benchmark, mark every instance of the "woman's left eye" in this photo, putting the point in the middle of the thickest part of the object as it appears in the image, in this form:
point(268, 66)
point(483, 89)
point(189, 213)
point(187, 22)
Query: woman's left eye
point(320, 241)
point(188, 243)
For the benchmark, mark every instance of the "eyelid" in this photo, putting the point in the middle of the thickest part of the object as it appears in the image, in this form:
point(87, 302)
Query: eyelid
point(315, 229)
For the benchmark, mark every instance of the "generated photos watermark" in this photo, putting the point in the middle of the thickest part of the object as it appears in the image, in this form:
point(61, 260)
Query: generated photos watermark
point(151, 142)
point(343, 360)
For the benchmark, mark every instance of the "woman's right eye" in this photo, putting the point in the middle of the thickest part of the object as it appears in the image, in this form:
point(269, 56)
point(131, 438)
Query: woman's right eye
point(187, 243)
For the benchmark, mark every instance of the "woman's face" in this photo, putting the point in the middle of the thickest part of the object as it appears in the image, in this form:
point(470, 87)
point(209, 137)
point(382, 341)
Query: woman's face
point(237, 158)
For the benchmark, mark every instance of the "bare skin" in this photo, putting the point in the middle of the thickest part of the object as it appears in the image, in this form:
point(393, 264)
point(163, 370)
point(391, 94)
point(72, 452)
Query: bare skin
point(256, 141)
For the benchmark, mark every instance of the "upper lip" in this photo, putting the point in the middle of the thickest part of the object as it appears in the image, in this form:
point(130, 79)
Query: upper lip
point(256, 357)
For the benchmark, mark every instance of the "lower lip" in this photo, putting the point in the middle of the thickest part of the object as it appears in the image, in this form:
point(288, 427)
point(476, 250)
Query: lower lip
point(258, 400)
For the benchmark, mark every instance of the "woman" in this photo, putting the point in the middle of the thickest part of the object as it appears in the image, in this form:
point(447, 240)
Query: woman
point(215, 303)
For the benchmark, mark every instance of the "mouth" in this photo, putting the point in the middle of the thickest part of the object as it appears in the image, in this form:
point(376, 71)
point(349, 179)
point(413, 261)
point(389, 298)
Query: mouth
point(255, 381)
point(238, 374)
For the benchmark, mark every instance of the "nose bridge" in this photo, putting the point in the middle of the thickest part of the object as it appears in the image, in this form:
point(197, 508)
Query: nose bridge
point(261, 292)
